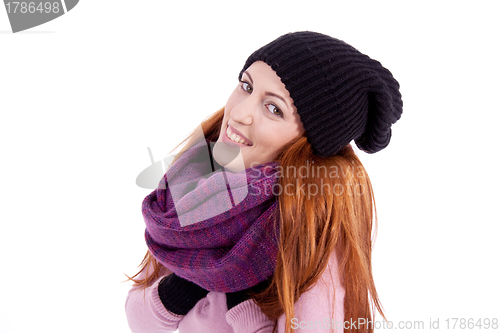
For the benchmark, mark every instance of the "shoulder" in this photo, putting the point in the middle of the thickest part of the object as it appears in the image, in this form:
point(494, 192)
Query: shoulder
point(322, 303)
point(327, 291)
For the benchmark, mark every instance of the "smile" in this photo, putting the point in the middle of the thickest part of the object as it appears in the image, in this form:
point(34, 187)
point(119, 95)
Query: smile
point(236, 138)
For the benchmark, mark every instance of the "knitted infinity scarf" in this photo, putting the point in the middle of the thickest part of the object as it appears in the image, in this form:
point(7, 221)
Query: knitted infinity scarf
point(214, 228)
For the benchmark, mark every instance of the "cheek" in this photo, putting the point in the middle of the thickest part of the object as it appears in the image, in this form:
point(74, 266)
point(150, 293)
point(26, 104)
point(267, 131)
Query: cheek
point(274, 143)
point(267, 143)
point(233, 99)
point(230, 103)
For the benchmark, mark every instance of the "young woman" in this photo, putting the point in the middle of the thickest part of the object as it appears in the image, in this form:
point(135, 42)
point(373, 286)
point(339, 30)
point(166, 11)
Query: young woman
point(264, 222)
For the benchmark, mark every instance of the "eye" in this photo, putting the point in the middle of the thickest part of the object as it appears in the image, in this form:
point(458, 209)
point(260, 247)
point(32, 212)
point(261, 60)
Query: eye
point(246, 87)
point(274, 110)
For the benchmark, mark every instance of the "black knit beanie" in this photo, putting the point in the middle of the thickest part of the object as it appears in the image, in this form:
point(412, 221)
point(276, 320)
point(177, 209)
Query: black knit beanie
point(340, 94)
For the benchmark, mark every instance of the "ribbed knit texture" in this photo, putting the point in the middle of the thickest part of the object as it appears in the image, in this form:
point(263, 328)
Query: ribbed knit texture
point(340, 94)
point(233, 250)
point(248, 315)
point(235, 298)
point(179, 295)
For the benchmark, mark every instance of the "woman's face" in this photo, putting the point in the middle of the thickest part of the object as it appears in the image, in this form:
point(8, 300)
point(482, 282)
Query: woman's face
point(260, 116)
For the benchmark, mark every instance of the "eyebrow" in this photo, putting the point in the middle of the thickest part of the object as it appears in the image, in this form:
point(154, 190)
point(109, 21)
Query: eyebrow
point(267, 93)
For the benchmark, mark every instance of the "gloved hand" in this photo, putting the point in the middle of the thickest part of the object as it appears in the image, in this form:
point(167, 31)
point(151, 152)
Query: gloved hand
point(179, 295)
point(237, 297)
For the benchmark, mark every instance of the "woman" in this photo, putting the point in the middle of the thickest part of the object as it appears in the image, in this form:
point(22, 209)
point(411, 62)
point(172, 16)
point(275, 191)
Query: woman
point(270, 228)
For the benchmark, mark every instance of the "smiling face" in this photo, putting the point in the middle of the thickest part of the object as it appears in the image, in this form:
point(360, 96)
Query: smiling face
point(259, 116)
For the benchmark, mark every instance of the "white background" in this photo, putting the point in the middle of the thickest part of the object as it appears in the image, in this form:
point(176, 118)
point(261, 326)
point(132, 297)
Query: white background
point(83, 96)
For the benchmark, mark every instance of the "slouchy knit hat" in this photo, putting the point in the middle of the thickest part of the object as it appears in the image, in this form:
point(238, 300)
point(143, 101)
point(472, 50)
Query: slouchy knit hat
point(340, 94)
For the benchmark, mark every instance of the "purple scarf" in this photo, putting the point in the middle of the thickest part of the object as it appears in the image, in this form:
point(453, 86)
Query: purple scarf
point(214, 228)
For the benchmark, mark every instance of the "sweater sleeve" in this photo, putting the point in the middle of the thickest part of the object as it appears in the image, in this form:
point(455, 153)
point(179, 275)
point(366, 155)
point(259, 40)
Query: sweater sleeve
point(145, 311)
point(319, 309)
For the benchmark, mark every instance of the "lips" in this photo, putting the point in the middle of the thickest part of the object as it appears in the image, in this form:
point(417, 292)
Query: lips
point(236, 136)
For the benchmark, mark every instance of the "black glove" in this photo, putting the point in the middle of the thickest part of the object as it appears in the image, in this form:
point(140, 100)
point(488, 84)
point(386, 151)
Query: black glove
point(237, 297)
point(179, 295)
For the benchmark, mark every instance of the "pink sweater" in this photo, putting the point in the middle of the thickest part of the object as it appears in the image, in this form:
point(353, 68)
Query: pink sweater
point(313, 311)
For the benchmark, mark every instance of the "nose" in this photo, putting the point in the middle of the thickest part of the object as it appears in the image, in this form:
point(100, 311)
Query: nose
point(245, 111)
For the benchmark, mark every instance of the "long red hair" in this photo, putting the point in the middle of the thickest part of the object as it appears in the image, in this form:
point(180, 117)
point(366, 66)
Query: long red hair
point(339, 217)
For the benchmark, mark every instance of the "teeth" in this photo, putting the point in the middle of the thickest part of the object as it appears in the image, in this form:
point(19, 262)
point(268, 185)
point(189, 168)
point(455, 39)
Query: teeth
point(234, 137)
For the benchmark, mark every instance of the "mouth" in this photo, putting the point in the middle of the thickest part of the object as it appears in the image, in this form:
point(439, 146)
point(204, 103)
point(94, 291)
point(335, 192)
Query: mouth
point(233, 136)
